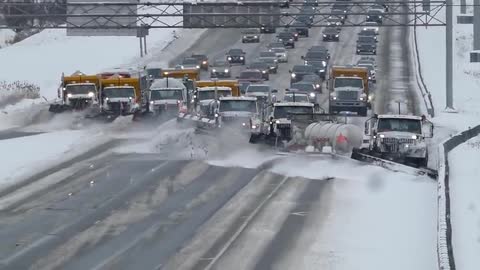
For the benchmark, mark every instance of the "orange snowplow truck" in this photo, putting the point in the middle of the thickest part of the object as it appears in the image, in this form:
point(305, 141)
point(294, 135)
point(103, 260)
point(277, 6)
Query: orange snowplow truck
point(349, 91)
point(191, 74)
point(120, 95)
point(77, 92)
point(233, 84)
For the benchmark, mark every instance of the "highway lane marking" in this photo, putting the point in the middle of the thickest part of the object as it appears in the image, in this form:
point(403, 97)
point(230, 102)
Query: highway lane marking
point(245, 224)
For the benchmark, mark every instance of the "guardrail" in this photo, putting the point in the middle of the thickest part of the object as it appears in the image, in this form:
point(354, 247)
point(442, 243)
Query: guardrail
point(445, 254)
point(427, 96)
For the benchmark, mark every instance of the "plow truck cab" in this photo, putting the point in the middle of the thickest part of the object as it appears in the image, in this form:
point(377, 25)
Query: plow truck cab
point(349, 90)
point(77, 92)
point(167, 96)
point(206, 99)
point(237, 112)
point(398, 138)
point(122, 96)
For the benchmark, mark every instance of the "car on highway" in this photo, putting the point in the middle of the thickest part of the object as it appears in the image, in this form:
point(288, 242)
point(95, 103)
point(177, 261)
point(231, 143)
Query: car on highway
point(368, 33)
point(298, 71)
point(300, 27)
point(266, 28)
point(315, 80)
point(263, 67)
point(374, 15)
point(317, 59)
point(316, 48)
point(330, 34)
point(334, 21)
point(190, 63)
point(263, 92)
point(251, 35)
point(248, 77)
point(293, 31)
point(272, 64)
point(338, 13)
point(202, 59)
point(371, 26)
point(367, 40)
point(220, 69)
point(236, 56)
point(267, 55)
point(367, 59)
point(287, 39)
point(310, 3)
point(275, 45)
point(306, 87)
point(281, 53)
point(366, 48)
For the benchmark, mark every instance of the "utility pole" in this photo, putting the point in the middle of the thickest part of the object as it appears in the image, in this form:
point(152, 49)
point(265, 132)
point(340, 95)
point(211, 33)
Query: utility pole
point(476, 25)
point(141, 47)
point(449, 54)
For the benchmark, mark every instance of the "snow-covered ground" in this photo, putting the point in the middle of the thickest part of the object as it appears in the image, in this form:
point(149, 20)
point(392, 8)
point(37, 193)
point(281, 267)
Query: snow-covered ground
point(28, 154)
point(465, 204)
point(466, 75)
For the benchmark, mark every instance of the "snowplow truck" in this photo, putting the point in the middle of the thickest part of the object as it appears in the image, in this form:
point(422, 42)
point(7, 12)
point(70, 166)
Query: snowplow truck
point(349, 90)
point(167, 97)
point(77, 92)
point(122, 96)
point(397, 138)
point(179, 73)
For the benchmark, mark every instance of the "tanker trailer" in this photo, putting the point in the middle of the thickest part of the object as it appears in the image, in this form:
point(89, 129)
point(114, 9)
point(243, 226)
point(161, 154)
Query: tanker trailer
point(342, 138)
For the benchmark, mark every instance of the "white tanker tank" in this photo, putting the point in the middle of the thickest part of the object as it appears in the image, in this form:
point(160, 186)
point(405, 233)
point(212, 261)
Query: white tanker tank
point(341, 137)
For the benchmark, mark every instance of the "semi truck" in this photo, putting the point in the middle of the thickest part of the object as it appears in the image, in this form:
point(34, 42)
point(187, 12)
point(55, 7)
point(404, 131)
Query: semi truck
point(349, 90)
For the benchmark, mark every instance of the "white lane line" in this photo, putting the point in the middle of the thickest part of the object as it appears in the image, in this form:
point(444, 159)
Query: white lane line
point(244, 225)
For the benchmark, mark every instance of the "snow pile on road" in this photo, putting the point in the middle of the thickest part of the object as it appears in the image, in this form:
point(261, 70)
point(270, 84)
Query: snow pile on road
point(24, 112)
point(369, 209)
point(243, 157)
point(465, 203)
point(29, 154)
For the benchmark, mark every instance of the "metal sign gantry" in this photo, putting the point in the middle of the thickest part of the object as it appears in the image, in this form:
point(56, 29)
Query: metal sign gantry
point(90, 15)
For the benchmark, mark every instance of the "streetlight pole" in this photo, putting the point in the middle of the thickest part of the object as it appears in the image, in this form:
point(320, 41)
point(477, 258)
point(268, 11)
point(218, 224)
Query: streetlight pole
point(449, 54)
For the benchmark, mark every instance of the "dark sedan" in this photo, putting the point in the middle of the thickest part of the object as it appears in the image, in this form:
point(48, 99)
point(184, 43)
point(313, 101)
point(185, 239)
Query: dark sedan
point(331, 34)
point(202, 59)
point(287, 39)
point(298, 71)
point(220, 69)
point(236, 56)
point(263, 67)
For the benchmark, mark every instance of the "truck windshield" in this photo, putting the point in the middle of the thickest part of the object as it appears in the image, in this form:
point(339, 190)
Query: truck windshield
point(175, 94)
point(348, 82)
point(238, 106)
point(80, 89)
point(119, 92)
point(210, 94)
point(258, 88)
point(402, 125)
point(284, 111)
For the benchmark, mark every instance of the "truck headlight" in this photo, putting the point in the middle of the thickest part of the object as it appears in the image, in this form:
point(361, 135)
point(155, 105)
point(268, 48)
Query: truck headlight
point(255, 36)
point(364, 29)
point(414, 137)
point(241, 57)
point(254, 127)
point(229, 58)
point(214, 70)
point(204, 62)
point(312, 94)
point(324, 63)
point(324, 35)
point(336, 35)
point(277, 122)
point(243, 124)
point(197, 66)
point(91, 94)
point(69, 95)
point(294, 75)
point(317, 85)
point(290, 39)
point(322, 70)
point(244, 36)
point(382, 136)
point(263, 71)
point(226, 70)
